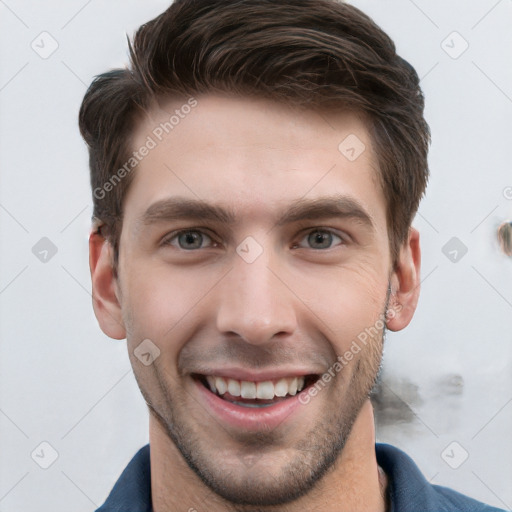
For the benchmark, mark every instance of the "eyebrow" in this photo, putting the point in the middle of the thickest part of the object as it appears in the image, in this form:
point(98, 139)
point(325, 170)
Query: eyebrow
point(177, 208)
point(326, 207)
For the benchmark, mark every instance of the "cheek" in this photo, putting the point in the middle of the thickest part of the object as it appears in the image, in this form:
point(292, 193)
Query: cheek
point(160, 303)
point(349, 301)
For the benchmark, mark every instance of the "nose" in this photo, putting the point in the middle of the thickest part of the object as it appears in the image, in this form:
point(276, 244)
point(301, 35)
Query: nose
point(255, 303)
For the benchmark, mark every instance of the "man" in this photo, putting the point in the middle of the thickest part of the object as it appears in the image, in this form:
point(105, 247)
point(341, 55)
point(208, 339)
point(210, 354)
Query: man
point(255, 173)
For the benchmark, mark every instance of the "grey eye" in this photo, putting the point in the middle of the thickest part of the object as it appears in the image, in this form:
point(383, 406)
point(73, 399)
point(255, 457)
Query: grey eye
point(320, 239)
point(190, 240)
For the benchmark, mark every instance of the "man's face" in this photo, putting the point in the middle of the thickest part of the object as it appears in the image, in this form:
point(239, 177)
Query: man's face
point(253, 253)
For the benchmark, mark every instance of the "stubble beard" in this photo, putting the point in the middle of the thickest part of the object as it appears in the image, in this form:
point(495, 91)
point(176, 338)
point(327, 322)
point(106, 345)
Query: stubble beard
point(313, 456)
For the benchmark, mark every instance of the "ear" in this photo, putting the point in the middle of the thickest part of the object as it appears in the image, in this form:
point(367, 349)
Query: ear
point(104, 287)
point(405, 284)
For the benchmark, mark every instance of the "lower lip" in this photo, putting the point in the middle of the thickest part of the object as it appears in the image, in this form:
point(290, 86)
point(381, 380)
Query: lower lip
point(249, 418)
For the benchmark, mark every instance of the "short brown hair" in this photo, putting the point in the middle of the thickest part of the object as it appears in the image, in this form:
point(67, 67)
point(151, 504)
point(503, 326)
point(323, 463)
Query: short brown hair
point(309, 53)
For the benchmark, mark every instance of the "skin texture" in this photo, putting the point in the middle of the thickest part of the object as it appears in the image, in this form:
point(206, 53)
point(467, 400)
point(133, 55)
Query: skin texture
point(297, 307)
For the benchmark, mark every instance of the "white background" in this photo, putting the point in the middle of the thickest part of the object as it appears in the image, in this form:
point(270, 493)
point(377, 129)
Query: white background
point(448, 377)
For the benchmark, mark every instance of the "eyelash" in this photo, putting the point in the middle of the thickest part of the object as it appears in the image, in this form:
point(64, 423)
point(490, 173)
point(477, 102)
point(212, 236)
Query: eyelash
point(331, 232)
point(174, 236)
point(344, 239)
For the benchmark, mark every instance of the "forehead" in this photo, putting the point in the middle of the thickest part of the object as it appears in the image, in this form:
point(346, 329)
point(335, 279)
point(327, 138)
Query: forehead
point(252, 156)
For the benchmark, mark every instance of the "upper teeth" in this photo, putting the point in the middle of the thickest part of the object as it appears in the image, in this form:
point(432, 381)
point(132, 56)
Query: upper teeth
point(265, 390)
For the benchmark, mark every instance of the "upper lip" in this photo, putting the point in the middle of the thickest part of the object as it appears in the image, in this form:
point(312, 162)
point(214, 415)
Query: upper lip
point(256, 376)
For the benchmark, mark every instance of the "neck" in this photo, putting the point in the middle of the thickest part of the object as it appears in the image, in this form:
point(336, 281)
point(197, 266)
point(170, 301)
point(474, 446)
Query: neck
point(355, 482)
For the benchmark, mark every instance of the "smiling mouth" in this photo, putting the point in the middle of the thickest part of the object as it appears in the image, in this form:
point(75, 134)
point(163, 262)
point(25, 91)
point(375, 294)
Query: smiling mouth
point(255, 394)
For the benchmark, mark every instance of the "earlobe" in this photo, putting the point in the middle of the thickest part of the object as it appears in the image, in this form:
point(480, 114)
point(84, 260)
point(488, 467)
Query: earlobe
point(104, 297)
point(405, 284)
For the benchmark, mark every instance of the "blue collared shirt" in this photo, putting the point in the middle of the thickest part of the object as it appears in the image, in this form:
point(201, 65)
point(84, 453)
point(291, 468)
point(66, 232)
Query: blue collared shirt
point(408, 489)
